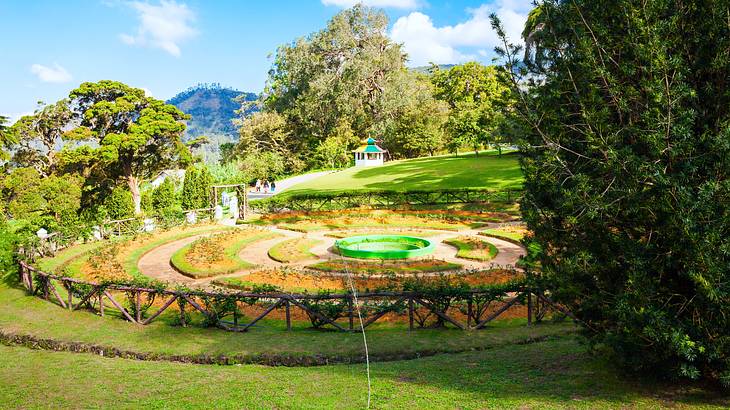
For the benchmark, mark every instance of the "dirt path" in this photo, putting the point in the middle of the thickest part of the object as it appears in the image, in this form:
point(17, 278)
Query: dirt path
point(156, 263)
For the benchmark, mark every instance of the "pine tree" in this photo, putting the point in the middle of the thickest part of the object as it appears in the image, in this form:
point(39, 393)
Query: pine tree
point(625, 107)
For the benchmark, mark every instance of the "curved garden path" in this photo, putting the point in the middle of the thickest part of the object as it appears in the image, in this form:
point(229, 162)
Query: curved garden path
point(156, 263)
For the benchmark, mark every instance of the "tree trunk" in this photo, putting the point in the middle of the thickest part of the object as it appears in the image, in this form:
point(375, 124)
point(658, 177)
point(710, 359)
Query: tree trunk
point(133, 183)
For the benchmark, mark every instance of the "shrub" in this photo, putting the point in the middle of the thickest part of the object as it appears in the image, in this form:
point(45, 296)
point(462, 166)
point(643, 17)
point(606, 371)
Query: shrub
point(626, 161)
point(163, 197)
point(119, 204)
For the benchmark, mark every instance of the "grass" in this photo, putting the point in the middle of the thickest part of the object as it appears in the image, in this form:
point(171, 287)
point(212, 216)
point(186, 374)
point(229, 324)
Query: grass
point(510, 233)
point(380, 268)
point(548, 375)
point(473, 248)
point(223, 257)
point(488, 170)
point(22, 314)
point(293, 250)
point(493, 368)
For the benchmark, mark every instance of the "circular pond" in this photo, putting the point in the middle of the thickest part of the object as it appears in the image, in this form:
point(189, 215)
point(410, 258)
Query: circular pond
point(384, 247)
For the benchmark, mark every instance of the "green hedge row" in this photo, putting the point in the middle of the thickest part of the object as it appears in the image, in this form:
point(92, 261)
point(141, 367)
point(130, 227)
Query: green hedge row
point(328, 201)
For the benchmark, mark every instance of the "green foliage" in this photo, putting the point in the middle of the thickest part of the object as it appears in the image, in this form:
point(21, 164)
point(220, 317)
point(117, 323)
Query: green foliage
point(379, 199)
point(440, 293)
point(196, 188)
point(163, 197)
point(8, 248)
point(264, 165)
point(51, 202)
point(128, 136)
point(329, 308)
point(7, 137)
point(626, 160)
point(337, 86)
point(119, 205)
point(228, 173)
point(37, 136)
point(477, 95)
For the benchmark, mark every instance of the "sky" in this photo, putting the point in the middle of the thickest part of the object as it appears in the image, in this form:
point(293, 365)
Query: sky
point(49, 47)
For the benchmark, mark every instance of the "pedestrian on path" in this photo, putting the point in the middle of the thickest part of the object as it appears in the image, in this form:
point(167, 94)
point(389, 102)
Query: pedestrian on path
point(273, 186)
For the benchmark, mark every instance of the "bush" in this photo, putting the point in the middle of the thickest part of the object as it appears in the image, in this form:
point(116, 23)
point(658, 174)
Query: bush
point(119, 204)
point(626, 163)
point(163, 197)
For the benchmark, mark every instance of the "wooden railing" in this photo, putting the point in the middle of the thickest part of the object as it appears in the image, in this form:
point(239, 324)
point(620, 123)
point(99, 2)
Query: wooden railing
point(468, 311)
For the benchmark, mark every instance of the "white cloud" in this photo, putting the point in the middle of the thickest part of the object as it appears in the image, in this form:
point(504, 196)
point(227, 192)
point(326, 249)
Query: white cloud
point(396, 4)
point(426, 43)
point(55, 74)
point(164, 26)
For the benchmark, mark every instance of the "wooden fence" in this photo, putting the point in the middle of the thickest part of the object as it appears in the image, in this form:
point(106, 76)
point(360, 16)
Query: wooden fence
point(467, 311)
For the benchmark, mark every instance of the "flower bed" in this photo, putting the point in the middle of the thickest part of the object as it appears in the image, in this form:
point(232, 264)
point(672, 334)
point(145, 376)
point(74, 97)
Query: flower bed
point(473, 248)
point(293, 250)
point(513, 233)
point(218, 254)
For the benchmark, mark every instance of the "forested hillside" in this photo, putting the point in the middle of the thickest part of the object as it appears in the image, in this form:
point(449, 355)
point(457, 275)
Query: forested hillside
point(213, 109)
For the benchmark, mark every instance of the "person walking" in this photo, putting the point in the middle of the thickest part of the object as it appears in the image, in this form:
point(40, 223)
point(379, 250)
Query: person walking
point(258, 185)
point(266, 186)
point(273, 186)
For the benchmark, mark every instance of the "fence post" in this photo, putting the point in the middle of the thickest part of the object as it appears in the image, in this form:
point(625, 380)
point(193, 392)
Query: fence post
point(101, 302)
point(70, 296)
point(410, 313)
point(288, 315)
point(181, 305)
point(469, 311)
point(352, 311)
point(137, 305)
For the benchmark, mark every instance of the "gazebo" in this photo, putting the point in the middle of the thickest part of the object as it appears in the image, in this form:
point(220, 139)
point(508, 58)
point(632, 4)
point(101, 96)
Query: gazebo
point(369, 154)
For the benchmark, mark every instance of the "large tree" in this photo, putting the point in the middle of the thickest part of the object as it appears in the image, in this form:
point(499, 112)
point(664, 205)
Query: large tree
point(134, 136)
point(477, 96)
point(333, 77)
point(626, 117)
point(39, 135)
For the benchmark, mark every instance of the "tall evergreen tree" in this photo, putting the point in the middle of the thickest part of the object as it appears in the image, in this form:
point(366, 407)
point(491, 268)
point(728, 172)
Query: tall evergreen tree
point(627, 164)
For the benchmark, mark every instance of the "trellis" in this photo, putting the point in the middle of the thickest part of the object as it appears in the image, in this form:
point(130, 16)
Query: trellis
point(97, 297)
point(241, 194)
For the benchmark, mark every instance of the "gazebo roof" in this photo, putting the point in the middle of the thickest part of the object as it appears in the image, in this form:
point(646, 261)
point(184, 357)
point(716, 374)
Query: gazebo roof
point(369, 147)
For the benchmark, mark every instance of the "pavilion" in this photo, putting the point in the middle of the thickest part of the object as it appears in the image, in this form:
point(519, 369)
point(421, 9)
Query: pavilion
point(369, 154)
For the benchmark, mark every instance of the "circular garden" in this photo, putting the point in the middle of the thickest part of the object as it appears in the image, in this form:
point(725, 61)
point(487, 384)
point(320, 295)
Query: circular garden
point(302, 267)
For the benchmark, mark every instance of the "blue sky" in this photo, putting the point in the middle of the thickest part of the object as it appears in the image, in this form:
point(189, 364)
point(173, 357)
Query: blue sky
point(165, 46)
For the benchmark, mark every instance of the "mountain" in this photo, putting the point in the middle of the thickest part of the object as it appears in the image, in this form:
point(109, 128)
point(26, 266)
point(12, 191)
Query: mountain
point(213, 109)
point(426, 69)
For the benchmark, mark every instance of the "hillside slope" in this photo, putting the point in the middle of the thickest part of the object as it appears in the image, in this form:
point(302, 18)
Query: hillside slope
point(488, 170)
point(212, 108)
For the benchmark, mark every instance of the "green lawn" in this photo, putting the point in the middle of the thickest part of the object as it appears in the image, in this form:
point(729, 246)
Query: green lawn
point(488, 170)
point(552, 374)
point(508, 365)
